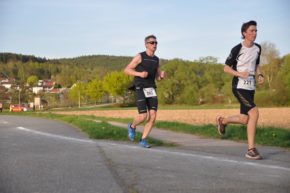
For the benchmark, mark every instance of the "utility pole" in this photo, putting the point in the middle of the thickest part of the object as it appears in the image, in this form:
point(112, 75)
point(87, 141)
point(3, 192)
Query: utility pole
point(79, 98)
point(19, 90)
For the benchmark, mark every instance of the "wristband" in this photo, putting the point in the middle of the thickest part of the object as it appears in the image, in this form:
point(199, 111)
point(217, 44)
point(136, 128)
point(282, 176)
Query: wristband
point(261, 75)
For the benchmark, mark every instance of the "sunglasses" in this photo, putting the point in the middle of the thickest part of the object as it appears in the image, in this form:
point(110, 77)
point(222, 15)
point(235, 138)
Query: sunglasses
point(152, 42)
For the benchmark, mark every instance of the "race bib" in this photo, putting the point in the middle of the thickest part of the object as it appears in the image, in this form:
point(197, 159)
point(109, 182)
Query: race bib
point(247, 84)
point(149, 92)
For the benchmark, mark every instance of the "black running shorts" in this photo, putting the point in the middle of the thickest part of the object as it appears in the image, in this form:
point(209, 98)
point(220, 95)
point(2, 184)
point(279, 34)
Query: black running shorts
point(246, 99)
point(144, 103)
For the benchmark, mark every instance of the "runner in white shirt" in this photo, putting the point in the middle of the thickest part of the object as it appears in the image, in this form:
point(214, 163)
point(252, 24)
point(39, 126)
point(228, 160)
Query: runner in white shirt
point(243, 65)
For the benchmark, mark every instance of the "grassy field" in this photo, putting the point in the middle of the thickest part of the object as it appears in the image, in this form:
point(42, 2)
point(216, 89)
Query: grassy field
point(130, 107)
point(269, 117)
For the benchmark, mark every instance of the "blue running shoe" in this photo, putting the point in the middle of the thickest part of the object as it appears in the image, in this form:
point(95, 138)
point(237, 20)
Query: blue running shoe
point(143, 143)
point(131, 132)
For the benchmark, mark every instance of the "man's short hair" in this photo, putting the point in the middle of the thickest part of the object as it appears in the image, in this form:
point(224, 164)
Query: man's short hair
point(246, 25)
point(150, 36)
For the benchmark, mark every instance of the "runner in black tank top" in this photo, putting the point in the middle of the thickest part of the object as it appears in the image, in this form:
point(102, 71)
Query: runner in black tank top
point(150, 65)
point(145, 69)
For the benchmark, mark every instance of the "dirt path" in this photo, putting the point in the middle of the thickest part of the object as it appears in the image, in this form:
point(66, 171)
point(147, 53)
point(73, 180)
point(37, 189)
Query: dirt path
point(279, 117)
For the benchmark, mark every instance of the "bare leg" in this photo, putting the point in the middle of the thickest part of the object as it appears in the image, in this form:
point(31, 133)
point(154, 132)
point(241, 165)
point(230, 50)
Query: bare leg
point(149, 125)
point(236, 119)
point(251, 126)
point(140, 118)
point(249, 120)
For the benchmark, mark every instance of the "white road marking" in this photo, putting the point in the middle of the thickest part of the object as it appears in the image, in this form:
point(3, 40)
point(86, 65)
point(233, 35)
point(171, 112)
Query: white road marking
point(3, 122)
point(155, 150)
point(56, 136)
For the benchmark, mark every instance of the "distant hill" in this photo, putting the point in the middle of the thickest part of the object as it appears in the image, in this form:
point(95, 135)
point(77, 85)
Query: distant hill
point(112, 62)
point(12, 57)
point(107, 62)
point(97, 61)
point(65, 71)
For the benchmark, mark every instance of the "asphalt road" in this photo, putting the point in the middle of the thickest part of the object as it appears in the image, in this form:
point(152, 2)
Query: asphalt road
point(46, 156)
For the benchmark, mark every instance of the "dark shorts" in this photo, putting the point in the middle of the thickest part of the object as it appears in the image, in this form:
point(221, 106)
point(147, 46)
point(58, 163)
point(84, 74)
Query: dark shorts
point(246, 99)
point(143, 103)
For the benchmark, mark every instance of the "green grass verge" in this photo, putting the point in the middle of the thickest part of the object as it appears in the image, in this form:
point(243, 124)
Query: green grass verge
point(271, 136)
point(94, 129)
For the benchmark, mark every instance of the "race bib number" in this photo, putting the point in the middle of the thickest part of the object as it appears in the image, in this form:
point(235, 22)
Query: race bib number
point(149, 92)
point(247, 84)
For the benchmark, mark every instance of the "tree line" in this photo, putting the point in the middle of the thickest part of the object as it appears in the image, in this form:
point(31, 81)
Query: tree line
point(203, 81)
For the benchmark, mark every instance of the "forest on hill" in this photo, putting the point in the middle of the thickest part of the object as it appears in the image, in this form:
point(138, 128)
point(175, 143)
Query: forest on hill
point(64, 71)
point(187, 82)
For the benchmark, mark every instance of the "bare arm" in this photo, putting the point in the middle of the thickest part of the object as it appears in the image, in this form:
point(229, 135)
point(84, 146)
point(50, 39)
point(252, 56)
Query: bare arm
point(258, 70)
point(130, 68)
point(229, 70)
point(260, 75)
point(160, 74)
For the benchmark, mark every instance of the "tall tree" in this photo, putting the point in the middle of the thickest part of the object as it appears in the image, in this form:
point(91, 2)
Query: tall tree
point(270, 61)
point(95, 89)
point(269, 53)
point(32, 80)
point(116, 83)
point(78, 92)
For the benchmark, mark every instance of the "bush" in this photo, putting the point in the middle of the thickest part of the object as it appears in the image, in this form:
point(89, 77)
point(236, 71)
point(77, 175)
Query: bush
point(271, 98)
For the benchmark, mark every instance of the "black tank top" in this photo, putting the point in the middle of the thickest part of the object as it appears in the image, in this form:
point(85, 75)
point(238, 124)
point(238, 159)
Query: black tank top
point(150, 65)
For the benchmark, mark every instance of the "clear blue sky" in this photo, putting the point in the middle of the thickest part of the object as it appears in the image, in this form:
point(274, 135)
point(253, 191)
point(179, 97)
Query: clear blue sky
point(186, 29)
